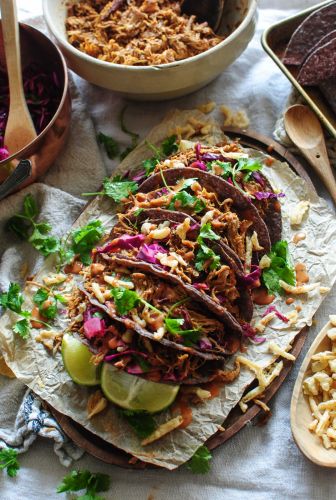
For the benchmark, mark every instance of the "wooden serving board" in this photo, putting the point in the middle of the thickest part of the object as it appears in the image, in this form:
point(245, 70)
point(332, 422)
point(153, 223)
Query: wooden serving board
point(236, 420)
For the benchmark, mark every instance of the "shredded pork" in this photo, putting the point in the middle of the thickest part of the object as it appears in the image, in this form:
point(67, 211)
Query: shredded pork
point(137, 32)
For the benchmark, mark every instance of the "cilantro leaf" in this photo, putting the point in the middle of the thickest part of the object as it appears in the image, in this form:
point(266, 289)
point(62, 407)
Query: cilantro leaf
point(85, 480)
point(9, 461)
point(280, 268)
point(200, 461)
point(207, 232)
point(150, 164)
point(124, 299)
point(184, 199)
point(142, 422)
point(30, 208)
point(85, 238)
point(25, 226)
point(22, 328)
point(118, 189)
point(167, 148)
point(18, 226)
point(40, 296)
point(225, 168)
point(13, 299)
point(173, 326)
point(205, 254)
point(110, 145)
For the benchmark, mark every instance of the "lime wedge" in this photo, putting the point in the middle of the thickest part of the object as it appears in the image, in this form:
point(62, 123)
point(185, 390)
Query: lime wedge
point(76, 359)
point(134, 393)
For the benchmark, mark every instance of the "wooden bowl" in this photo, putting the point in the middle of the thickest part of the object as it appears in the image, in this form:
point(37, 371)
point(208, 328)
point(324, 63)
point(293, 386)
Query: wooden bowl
point(164, 81)
point(42, 151)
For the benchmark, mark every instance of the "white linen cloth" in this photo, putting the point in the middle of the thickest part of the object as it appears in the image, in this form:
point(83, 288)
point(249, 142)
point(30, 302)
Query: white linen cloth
point(259, 462)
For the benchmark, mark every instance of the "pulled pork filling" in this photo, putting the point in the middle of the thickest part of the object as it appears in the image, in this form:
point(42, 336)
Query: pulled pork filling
point(174, 247)
point(137, 32)
point(223, 219)
point(148, 327)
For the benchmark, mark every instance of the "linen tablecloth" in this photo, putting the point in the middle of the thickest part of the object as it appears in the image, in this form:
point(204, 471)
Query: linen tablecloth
point(260, 462)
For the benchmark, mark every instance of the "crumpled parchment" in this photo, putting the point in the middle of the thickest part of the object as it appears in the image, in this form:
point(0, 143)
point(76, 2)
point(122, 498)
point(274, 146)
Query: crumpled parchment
point(45, 374)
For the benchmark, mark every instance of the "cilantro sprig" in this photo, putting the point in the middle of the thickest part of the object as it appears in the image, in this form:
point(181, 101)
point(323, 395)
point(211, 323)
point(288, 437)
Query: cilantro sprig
point(200, 461)
point(9, 461)
point(92, 483)
point(167, 148)
point(24, 225)
point(47, 302)
point(185, 200)
point(13, 300)
point(245, 166)
point(116, 188)
point(125, 300)
point(111, 146)
point(141, 422)
point(204, 253)
point(280, 268)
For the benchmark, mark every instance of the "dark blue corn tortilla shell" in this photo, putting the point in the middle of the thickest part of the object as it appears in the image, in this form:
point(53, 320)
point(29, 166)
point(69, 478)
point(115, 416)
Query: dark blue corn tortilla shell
point(311, 30)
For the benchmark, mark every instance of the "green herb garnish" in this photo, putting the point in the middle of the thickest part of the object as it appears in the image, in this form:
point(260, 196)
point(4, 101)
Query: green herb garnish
point(173, 326)
point(13, 300)
point(41, 296)
point(186, 200)
point(84, 480)
point(204, 253)
point(167, 148)
point(85, 238)
point(25, 226)
point(200, 461)
point(280, 268)
point(116, 188)
point(110, 145)
point(243, 165)
point(142, 422)
point(125, 300)
point(9, 461)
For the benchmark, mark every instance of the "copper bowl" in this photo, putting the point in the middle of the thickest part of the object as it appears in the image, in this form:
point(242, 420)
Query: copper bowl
point(42, 152)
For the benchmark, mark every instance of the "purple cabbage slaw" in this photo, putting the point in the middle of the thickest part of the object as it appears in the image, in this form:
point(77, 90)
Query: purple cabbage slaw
point(43, 93)
point(148, 253)
point(277, 313)
point(264, 195)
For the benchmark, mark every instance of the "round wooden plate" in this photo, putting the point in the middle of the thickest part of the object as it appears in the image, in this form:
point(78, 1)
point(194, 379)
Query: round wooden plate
point(236, 420)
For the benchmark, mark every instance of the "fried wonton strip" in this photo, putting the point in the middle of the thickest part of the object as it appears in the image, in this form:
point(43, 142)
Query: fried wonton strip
point(275, 349)
point(163, 429)
point(255, 368)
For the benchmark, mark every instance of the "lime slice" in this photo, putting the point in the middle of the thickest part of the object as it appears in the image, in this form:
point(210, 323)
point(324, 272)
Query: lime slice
point(134, 393)
point(76, 359)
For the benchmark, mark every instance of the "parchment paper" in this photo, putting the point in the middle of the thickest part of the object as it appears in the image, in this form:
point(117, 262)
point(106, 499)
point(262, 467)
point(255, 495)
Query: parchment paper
point(45, 374)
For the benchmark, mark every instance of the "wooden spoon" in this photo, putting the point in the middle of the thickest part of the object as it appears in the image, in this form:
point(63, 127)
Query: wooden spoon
point(304, 129)
point(20, 130)
point(300, 413)
point(210, 11)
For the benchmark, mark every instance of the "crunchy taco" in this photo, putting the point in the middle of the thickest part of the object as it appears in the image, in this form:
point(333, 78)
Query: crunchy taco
point(123, 313)
point(232, 163)
point(174, 242)
point(210, 199)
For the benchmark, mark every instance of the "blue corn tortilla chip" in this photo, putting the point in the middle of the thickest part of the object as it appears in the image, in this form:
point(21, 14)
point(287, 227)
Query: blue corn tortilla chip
point(309, 33)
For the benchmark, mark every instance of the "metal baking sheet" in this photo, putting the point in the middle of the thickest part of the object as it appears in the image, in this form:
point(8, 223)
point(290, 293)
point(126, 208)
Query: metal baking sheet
point(274, 41)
